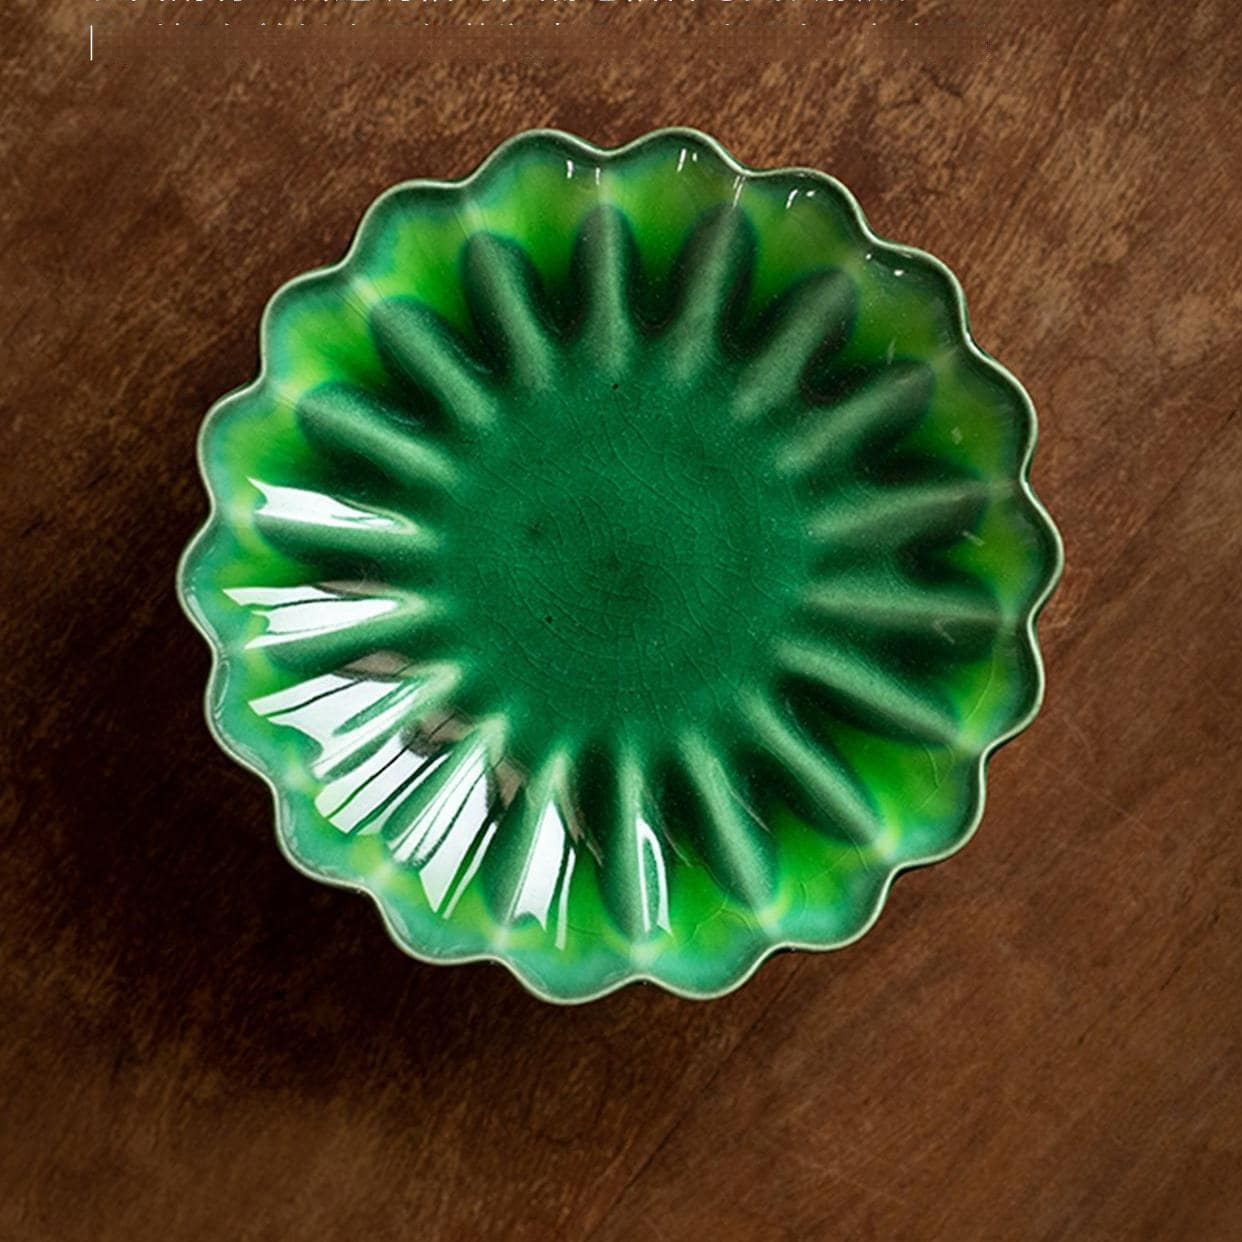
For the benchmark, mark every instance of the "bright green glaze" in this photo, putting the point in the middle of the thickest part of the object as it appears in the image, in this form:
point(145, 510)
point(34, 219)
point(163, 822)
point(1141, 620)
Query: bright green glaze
point(623, 565)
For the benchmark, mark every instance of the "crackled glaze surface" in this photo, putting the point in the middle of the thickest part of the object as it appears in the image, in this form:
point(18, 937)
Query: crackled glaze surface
point(623, 565)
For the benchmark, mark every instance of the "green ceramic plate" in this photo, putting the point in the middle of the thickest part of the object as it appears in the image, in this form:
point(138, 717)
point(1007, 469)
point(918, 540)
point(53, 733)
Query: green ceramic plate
point(623, 565)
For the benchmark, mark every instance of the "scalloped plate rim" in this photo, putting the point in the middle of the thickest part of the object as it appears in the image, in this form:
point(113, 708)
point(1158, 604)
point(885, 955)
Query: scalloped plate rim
point(217, 676)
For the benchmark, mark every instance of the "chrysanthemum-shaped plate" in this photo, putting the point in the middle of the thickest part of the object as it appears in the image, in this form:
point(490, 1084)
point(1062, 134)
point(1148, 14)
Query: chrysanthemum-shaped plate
point(623, 565)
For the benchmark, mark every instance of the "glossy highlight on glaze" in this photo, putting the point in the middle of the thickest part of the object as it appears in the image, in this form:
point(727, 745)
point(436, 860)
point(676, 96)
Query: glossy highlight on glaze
point(623, 565)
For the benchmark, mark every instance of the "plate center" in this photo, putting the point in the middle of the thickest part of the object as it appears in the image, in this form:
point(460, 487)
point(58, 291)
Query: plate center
point(625, 551)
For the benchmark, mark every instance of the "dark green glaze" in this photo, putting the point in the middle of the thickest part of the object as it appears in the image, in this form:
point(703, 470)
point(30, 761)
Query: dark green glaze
point(623, 565)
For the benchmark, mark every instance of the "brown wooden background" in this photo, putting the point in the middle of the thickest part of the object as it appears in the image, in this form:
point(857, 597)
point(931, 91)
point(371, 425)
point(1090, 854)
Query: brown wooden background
point(1039, 1040)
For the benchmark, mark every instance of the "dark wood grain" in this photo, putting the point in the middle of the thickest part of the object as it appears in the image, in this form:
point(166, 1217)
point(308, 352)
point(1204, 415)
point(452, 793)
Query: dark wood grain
point(1039, 1040)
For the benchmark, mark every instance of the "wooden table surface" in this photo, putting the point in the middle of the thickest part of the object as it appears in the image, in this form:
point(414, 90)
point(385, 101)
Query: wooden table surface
point(1040, 1038)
